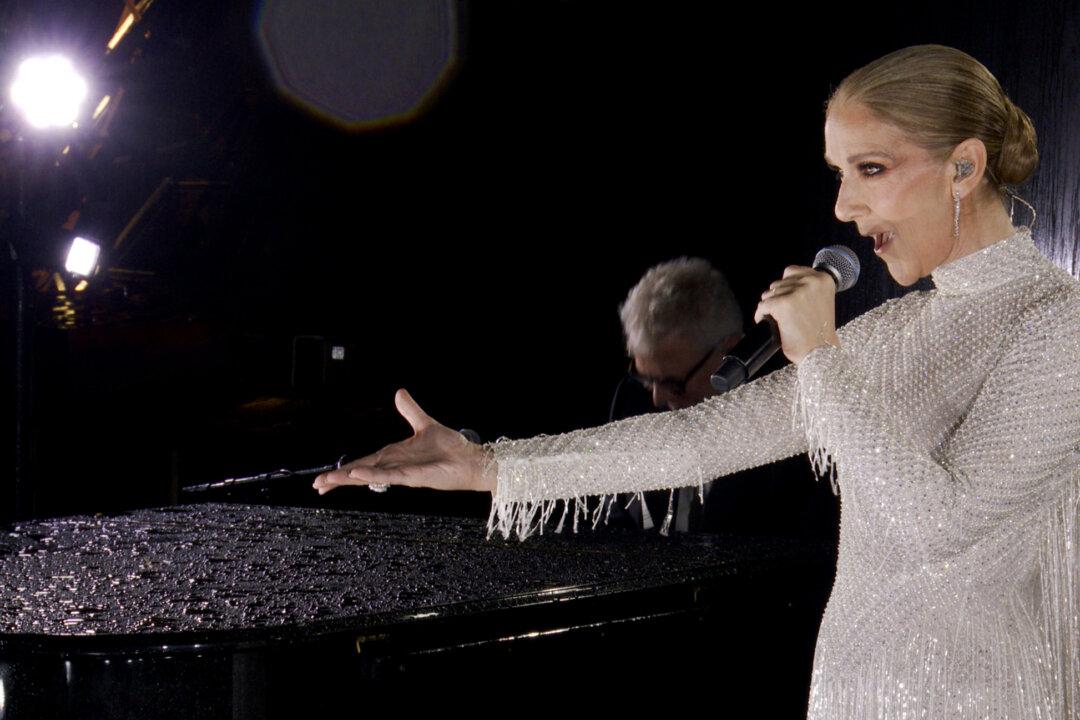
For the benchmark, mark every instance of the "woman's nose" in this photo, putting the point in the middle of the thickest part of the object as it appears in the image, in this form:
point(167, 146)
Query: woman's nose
point(848, 207)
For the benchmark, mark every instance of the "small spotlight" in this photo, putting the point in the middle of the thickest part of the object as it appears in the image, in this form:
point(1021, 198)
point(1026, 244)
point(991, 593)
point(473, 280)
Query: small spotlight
point(82, 257)
point(121, 30)
point(48, 91)
point(101, 106)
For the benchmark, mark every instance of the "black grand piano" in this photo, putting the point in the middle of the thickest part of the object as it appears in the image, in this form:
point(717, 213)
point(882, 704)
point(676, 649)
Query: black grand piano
point(239, 611)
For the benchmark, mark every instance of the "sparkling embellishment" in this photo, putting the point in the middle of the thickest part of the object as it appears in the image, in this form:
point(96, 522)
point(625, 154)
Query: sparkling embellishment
point(956, 213)
point(950, 421)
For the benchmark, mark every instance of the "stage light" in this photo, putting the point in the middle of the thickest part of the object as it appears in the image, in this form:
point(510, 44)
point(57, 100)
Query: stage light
point(133, 13)
point(82, 257)
point(121, 30)
point(101, 106)
point(48, 91)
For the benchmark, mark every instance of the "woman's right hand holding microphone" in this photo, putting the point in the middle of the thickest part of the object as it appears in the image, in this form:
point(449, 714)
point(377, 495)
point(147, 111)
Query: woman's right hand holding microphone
point(434, 457)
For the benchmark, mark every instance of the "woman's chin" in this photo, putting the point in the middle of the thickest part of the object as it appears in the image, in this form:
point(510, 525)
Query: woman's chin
point(904, 276)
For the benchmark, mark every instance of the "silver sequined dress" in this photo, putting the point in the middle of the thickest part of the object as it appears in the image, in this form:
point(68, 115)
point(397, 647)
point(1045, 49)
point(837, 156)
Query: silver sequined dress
point(950, 420)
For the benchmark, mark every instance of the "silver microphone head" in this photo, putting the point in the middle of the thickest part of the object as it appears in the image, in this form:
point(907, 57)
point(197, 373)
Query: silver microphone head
point(841, 262)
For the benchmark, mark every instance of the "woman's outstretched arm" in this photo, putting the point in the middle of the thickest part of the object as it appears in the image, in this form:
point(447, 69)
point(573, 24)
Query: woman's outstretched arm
point(753, 425)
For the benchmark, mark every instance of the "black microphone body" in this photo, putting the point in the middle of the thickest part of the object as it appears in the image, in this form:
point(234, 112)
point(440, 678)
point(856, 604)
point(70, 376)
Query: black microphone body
point(748, 355)
point(763, 340)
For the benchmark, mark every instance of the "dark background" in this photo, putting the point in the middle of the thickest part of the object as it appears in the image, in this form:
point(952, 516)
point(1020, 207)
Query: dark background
point(475, 254)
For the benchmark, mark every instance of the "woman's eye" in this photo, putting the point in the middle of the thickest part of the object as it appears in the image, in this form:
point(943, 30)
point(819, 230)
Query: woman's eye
point(871, 169)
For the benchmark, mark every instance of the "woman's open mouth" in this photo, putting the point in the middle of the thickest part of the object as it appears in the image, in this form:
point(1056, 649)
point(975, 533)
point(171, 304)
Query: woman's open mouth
point(881, 241)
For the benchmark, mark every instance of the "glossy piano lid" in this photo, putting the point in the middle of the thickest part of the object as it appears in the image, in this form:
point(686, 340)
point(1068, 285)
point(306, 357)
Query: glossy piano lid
point(219, 572)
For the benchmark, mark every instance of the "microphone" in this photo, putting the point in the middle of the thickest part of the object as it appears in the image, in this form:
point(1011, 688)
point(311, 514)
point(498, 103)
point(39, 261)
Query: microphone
point(763, 340)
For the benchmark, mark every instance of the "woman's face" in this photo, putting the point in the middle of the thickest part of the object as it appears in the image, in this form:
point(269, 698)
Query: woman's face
point(895, 191)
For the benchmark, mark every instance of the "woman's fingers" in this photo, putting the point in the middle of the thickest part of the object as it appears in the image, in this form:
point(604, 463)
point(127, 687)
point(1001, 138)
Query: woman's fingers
point(761, 311)
point(393, 475)
point(803, 305)
point(332, 479)
point(768, 303)
point(355, 475)
point(391, 460)
point(773, 301)
point(412, 412)
point(792, 280)
point(779, 291)
point(362, 475)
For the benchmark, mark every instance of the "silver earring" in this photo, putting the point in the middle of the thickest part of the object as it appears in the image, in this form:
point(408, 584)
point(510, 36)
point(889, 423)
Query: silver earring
point(963, 169)
point(956, 214)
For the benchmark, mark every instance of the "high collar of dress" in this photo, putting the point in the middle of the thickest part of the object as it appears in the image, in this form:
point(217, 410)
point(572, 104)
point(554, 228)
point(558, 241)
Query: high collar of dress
point(995, 264)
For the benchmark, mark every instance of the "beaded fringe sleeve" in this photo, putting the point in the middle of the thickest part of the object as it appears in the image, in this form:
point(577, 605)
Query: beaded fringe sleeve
point(751, 426)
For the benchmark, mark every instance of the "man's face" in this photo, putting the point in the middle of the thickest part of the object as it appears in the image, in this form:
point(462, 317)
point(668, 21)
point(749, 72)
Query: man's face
point(674, 360)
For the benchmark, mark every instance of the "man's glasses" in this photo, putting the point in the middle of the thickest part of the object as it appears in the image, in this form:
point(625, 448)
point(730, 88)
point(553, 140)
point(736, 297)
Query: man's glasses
point(671, 385)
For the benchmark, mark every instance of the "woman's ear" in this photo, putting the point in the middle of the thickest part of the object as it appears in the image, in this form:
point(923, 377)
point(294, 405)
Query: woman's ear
point(968, 164)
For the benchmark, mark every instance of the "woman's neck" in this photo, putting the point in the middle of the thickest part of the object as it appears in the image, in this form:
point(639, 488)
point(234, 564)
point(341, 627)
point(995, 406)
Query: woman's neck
point(983, 222)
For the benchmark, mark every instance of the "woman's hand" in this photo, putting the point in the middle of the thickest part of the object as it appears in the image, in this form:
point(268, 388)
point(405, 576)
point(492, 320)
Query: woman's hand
point(803, 304)
point(434, 457)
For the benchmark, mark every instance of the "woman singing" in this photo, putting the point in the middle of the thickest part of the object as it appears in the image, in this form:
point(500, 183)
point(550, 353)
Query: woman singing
point(949, 419)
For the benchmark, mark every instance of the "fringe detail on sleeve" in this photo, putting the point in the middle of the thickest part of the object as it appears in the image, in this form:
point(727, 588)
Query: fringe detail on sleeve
point(525, 517)
point(803, 419)
point(1059, 571)
point(666, 527)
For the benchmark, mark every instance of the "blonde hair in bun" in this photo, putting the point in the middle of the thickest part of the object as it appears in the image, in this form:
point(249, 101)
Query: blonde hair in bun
point(1019, 154)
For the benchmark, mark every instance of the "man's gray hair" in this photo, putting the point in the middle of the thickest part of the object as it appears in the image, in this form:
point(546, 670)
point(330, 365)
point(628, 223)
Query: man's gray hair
point(685, 295)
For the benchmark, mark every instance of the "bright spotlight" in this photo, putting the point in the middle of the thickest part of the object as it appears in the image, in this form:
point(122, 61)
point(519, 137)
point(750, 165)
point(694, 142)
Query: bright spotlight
point(48, 91)
point(82, 257)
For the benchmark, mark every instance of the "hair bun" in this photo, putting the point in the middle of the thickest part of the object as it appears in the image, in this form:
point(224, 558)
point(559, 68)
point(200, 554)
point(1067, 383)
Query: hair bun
point(1019, 151)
